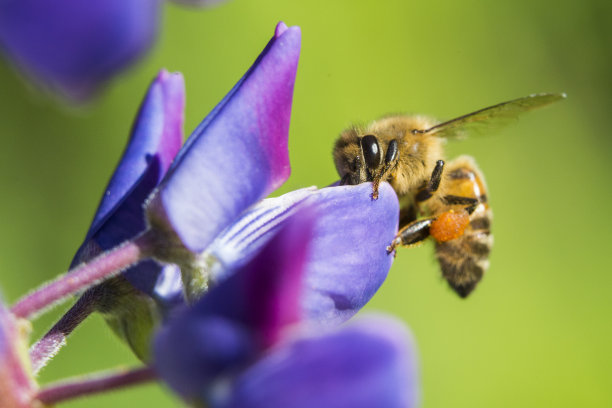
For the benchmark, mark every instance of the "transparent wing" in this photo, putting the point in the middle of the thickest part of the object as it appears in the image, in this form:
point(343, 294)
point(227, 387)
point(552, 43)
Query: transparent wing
point(493, 117)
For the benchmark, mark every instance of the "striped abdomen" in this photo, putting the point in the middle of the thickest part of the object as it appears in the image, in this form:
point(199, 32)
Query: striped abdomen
point(465, 259)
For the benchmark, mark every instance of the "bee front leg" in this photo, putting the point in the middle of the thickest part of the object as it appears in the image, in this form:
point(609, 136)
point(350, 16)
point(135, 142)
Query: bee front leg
point(412, 234)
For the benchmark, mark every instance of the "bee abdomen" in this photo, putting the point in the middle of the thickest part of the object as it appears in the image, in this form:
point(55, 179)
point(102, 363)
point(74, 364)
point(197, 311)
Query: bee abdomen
point(481, 224)
point(465, 260)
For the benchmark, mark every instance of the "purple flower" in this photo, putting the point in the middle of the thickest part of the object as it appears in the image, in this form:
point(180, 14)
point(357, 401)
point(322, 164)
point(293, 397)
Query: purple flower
point(206, 212)
point(74, 46)
point(250, 126)
point(241, 345)
point(246, 132)
point(16, 385)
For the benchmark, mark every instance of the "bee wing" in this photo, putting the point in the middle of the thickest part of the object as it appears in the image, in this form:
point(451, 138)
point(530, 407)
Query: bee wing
point(493, 117)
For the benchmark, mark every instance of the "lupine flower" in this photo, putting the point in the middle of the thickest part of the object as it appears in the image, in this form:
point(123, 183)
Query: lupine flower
point(16, 385)
point(75, 46)
point(240, 345)
point(248, 142)
point(202, 210)
point(133, 302)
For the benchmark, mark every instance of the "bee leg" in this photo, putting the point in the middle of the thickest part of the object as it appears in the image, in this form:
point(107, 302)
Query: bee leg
point(411, 234)
point(345, 180)
point(443, 227)
point(434, 183)
point(407, 215)
point(469, 202)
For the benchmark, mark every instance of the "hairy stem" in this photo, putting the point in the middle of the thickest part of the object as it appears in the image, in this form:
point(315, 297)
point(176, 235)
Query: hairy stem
point(84, 276)
point(102, 382)
point(49, 345)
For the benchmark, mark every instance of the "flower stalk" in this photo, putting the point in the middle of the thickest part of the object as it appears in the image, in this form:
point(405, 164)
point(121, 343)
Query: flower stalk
point(50, 344)
point(102, 382)
point(84, 276)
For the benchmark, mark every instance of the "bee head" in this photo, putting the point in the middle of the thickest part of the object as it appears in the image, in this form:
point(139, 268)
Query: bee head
point(363, 158)
point(365, 161)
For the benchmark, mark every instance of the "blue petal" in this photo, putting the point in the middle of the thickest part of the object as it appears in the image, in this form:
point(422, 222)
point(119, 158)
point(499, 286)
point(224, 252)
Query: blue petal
point(192, 352)
point(241, 316)
point(156, 138)
point(370, 363)
point(237, 155)
point(74, 45)
point(348, 260)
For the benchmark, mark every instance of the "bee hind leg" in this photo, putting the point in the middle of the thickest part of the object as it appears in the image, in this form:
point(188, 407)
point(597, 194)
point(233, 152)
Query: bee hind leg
point(443, 227)
point(412, 234)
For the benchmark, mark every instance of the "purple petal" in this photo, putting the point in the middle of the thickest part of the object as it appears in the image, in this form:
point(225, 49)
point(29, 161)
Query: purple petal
point(156, 138)
point(370, 363)
point(348, 261)
point(238, 318)
point(76, 45)
point(192, 352)
point(237, 155)
point(16, 384)
point(272, 280)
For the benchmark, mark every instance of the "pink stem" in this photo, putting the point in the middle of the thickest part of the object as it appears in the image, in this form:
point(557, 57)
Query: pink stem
point(69, 389)
point(48, 346)
point(84, 276)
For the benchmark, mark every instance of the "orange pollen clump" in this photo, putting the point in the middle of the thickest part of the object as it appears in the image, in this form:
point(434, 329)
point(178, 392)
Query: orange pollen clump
point(449, 225)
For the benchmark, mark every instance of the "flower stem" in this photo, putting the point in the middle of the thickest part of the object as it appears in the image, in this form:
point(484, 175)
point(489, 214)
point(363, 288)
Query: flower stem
point(84, 276)
point(101, 382)
point(50, 344)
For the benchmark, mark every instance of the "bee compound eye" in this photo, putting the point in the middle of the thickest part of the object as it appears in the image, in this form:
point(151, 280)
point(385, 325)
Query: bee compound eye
point(371, 151)
point(392, 152)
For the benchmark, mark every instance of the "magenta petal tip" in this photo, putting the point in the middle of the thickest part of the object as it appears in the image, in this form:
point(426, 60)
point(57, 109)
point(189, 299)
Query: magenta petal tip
point(281, 27)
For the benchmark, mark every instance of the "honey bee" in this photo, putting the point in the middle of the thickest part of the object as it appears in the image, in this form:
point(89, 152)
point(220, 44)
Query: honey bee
point(447, 202)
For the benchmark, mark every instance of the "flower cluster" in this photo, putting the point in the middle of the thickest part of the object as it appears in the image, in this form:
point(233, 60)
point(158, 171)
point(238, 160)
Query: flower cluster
point(230, 298)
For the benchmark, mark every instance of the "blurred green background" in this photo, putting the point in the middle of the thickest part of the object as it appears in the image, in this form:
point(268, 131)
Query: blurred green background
point(537, 332)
